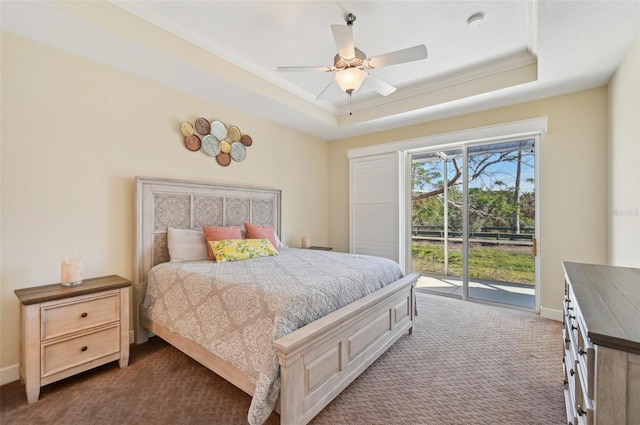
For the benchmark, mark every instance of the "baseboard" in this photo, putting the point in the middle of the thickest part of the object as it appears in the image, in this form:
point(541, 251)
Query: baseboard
point(9, 374)
point(551, 313)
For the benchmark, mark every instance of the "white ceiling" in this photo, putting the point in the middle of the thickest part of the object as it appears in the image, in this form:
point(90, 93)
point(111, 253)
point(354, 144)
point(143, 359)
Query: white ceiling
point(524, 50)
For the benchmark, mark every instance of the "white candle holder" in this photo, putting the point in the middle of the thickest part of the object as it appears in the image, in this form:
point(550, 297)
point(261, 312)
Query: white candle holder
point(71, 271)
point(306, 241)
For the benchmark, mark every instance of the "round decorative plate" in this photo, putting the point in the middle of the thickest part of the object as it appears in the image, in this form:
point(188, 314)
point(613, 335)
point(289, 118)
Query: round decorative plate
point(193, 142)
point(238, 151)
point(218, 130)
point(234, 133)
point(246, 140)
point(225, 146)
point(186, 128)
point(210, 145)
point(223, 159)
point(203, 126)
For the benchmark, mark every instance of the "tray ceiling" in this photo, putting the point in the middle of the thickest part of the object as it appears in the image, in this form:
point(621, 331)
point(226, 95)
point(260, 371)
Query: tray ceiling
point(228, 51)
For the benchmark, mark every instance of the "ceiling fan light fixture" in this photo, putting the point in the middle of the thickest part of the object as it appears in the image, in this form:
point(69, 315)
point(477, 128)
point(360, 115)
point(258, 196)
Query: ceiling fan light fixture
point(350, 79)
point(350, 63)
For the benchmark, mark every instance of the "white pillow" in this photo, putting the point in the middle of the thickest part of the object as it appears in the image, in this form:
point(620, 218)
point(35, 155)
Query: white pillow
point(186, 245)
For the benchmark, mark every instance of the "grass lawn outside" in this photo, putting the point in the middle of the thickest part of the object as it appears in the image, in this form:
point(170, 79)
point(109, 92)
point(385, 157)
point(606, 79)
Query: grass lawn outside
point(501, 263)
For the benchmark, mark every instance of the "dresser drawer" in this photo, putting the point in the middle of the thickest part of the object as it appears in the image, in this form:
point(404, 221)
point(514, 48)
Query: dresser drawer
point(585, 359)
point(583, 405)
point(88, 312)
point(67, 353)
point(569, 390)
point(570, 373)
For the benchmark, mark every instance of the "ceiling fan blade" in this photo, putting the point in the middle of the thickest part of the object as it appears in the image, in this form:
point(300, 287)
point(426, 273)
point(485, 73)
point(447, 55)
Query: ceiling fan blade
point(304, 68)
point(343, 35)
point(378, 85)
point(399, 56)
point(324, 90)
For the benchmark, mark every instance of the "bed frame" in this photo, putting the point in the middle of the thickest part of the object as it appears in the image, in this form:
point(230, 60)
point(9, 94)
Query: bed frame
point(318, 360)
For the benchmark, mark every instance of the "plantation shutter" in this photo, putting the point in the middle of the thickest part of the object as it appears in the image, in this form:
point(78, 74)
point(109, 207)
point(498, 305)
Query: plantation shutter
point(376, 205)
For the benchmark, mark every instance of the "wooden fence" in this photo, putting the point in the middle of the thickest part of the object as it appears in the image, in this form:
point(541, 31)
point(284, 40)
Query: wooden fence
point(488, 235)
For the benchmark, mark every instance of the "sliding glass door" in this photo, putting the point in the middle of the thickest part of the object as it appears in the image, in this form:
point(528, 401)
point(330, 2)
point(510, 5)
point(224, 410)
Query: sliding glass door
point(501, 217)
point(437, 218)
point(474, 221)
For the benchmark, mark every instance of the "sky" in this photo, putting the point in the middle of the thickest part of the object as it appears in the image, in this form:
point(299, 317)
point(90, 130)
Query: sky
point(504, 172)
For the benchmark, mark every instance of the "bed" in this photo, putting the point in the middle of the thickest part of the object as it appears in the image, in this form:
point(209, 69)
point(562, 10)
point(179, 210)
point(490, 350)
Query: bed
point(316, 360)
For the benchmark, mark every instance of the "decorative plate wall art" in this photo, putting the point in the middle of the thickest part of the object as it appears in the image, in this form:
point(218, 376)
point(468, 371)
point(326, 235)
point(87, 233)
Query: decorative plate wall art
point(216, 140)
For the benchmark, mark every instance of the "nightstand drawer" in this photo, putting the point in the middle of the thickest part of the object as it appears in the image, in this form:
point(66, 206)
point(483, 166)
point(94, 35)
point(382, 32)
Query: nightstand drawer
point(60, 319)
point(72, 352)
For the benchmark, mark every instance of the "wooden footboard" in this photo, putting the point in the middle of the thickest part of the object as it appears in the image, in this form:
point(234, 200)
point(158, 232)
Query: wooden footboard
point(321, 359)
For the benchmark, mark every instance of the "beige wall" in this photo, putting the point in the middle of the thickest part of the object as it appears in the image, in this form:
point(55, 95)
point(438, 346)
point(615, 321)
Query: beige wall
point(572, 185)
point(624, 161)
point(75, 134)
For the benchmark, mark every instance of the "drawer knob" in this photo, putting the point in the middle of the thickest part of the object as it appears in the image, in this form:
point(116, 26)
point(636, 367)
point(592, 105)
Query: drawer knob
point(580, 411)
point(573, 328)
point(84, 315)
point(582, 351)
point(85, 348)
point(572, 372)
point(572, 317)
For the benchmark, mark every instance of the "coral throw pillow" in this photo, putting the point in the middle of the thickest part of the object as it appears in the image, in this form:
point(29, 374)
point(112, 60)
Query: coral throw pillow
point(259, 232)
point(213, 234)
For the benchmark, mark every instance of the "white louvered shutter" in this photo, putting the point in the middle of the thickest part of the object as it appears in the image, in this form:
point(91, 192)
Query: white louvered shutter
point(375, 205)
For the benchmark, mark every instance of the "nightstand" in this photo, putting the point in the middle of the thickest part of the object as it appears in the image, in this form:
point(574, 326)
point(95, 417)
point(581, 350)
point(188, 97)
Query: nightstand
point(321, 248)
point(67, 330)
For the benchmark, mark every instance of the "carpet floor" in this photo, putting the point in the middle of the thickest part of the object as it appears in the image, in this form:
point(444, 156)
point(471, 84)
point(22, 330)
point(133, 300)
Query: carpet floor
point(465, 363)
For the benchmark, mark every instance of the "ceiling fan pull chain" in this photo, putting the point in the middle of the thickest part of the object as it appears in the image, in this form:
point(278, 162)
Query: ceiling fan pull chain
point(349, 108)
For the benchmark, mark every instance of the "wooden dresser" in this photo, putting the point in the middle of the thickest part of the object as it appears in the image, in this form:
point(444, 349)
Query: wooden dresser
point(601, 332)
point(67, 330)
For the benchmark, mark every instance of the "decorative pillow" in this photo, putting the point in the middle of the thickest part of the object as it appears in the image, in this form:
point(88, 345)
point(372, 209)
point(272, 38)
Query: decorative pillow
point(278, 244)
point(259, 232)
point(241, 249)
point(186, 245)
point(212, 233)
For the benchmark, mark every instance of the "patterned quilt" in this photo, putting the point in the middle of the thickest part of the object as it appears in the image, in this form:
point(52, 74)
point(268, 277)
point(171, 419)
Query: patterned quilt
point(237, 309)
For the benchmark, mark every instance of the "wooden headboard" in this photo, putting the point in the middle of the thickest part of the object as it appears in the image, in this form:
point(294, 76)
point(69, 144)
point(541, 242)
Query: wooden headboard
point(163, 203)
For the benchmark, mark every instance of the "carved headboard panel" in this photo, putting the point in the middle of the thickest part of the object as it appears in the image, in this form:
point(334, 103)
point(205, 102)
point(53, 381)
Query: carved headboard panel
point(163, 203)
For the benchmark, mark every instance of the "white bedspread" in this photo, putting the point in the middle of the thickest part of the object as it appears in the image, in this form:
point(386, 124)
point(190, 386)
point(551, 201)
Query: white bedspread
point(236, 310)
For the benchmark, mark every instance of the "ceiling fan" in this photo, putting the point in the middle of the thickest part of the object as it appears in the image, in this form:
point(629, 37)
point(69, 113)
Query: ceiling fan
point(350, 64)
